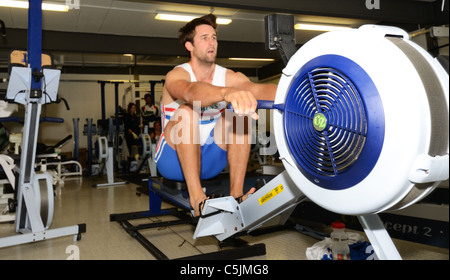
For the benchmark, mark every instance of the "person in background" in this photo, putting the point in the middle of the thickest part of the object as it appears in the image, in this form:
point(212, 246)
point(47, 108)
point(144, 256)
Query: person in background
point(150, 112)
point(132, 127)
point(155, 133)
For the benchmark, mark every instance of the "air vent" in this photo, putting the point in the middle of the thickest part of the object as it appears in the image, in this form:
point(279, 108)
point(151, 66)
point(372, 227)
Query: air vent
point(327, 122)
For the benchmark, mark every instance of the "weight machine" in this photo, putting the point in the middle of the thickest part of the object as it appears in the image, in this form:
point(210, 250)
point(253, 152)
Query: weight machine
point(332, 113)
point(335, 126)
point(33, 86)
point(106, 155)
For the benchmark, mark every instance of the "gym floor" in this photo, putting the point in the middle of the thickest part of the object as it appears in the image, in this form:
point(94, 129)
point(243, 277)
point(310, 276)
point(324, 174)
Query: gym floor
point(77, 202)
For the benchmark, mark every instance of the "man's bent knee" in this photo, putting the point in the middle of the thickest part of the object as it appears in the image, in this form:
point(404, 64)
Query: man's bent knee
point(183, 126)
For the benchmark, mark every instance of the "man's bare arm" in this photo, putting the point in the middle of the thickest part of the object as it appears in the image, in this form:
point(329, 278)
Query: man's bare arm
point(259, 90)
point(179, 86)
point(240, 91)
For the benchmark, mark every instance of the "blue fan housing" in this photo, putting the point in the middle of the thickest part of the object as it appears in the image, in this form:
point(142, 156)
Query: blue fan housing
point(334, 122)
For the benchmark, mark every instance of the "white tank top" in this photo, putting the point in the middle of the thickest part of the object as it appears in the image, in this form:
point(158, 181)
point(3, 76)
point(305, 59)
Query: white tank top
point(209, 114)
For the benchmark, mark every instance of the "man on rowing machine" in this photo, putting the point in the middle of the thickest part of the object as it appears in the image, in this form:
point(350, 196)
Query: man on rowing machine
point(198, 140)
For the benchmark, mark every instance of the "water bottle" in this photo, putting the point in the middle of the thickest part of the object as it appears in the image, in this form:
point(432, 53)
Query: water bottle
point(339, 242)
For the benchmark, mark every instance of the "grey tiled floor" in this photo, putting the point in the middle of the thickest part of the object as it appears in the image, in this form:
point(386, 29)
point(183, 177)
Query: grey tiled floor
point(77, 202)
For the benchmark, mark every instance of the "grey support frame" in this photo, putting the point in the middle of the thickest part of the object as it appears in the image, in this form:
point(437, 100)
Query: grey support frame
point(32, 87)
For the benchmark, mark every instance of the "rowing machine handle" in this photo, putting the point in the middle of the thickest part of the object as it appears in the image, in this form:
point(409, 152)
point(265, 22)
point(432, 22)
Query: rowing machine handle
point(262, 104)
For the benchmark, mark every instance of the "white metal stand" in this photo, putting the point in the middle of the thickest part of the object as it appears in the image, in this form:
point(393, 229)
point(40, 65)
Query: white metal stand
point(278, 196)
point(148, 154)
point(379, 237)
point(224, 217)
point(33, 86)
point(34, 213)
point(106, 153)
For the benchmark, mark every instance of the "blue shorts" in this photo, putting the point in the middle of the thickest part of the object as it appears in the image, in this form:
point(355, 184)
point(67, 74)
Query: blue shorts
point(213, 161)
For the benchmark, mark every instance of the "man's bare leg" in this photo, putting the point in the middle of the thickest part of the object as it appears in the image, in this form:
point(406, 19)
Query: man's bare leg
point(182, 134)
point(235, 140)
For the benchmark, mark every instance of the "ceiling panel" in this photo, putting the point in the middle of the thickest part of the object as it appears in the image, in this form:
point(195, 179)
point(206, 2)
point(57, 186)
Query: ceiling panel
point(131, 26)
point(54, 20)
point(14, 17)
point(90, 20)
point(126, 22)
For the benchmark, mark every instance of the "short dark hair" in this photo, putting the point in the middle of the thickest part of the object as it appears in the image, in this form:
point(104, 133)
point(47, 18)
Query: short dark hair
point(187, 32)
